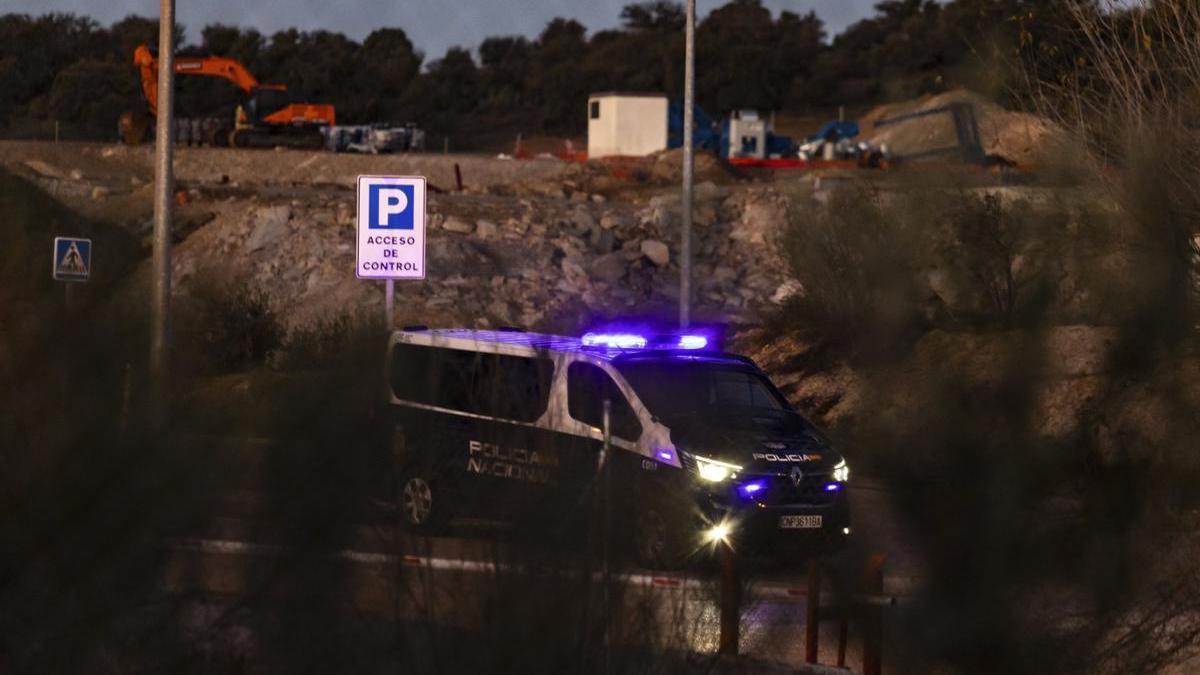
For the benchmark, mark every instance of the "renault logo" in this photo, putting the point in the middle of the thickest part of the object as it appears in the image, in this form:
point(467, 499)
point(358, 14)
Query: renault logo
point(796, 475)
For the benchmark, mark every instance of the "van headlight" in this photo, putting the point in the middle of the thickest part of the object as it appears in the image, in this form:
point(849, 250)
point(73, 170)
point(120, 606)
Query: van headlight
point(841, 472)
point(713, 471)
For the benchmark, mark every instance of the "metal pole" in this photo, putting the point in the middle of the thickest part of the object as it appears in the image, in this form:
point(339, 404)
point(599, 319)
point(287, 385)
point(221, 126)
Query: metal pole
point(731, 601)
point(606, 531)
point(689, 106)
point(812, 614)
point(389, 295)
point(164, 183)
point(873, 623)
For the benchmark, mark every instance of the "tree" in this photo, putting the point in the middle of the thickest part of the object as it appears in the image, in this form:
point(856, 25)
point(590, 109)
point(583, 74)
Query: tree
point(506, 62)
point(735, 52)
point(232, 42)
point(660, 16)
point(387, 64)
point(557, 76)
point(450, 87)
point(125, 35)
point(800, 41)
point(92, 94)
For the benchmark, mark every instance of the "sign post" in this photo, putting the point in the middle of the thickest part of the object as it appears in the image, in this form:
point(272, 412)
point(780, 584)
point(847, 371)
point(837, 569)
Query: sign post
point(391, 232)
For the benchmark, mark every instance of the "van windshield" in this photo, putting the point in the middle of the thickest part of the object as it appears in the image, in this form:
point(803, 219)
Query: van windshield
point(683, 388)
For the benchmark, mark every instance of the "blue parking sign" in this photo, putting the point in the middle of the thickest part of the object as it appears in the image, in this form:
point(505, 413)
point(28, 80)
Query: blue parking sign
point(391, 227)
point(391, 206)
point(72, 259)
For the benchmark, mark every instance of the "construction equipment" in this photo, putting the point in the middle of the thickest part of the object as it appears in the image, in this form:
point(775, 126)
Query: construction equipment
point(969, 147)
point(747, 135)
point(836, 141)
point(267, 117)
point(375, 138)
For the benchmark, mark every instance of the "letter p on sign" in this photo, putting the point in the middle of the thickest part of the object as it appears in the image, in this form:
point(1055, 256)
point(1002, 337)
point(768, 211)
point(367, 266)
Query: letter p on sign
point(390, 207)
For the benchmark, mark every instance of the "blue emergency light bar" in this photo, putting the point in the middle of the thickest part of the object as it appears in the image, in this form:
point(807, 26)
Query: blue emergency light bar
point(634, 341)
point(614, 340)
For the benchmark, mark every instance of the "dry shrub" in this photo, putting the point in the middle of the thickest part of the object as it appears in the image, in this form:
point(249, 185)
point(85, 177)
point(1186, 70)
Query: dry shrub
point(1068, 556)
point(879, 266)
point(856, 265)
point(344, 340)
point(226, 327)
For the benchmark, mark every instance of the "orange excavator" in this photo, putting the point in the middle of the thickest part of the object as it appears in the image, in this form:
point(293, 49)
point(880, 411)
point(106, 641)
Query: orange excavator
point(267, 117)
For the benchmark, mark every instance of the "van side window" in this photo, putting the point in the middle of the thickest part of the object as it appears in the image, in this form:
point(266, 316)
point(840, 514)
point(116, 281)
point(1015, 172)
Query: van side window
point(433, 376)
point(510, 387)
point(587, 387)
point(412, 373)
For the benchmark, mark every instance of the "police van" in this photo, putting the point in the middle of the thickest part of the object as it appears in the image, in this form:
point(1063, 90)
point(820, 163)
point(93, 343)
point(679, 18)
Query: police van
point(509, 425)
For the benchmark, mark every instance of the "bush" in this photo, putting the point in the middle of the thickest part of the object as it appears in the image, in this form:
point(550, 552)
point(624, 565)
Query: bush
point(857, 267)
point(345, 340)
point(228, 328)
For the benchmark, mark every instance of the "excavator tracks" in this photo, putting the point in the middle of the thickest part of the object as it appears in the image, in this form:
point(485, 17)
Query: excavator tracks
point(302, 138)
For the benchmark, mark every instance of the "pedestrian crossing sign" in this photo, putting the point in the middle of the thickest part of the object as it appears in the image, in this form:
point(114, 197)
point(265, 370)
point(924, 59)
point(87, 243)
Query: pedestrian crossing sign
point(72, 259)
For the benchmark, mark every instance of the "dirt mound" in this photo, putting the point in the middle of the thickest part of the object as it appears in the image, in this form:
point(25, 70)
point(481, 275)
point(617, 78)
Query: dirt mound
point(612, 175)
point(666, 167)
point(1016, 136)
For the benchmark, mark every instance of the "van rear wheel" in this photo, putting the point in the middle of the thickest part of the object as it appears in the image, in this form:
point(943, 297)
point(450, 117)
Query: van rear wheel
point(418, 502)
point(658, 543)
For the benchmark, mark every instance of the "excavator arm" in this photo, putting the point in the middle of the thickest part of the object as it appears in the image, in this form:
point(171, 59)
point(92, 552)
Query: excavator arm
point(212, 66)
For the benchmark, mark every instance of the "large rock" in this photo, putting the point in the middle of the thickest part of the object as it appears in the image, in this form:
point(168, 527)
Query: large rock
point(611, 221)
point(656, 251)
point(43, 169)
point(583, 221)
point(608, 268)
point(270, 225)
point(455, 224)
point(602, 241)
point(486, 229)
point(762, 221)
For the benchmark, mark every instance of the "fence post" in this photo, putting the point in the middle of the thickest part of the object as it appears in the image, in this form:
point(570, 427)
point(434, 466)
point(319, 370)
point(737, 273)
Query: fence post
point(812, 613)
point(731, 600)
point(843, 636)
point(873, 616)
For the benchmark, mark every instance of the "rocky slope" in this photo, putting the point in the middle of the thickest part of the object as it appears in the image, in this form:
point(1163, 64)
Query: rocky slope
point(539, 244)
point(550, 245)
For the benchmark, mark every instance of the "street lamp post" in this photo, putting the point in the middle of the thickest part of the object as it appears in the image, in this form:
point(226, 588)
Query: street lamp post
point(163, 188)
point(689, 106)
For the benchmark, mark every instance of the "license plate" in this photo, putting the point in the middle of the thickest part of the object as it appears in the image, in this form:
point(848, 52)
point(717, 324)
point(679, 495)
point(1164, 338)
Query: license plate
point(800, 522)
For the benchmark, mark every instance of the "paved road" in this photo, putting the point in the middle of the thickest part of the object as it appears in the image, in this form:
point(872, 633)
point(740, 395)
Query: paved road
point(450, 579)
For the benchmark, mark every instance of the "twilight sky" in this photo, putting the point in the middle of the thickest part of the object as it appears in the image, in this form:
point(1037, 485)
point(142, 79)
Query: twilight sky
point(432, 25)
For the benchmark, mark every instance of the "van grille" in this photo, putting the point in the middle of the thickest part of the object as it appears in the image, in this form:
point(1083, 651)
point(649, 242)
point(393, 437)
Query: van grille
point(811, 491)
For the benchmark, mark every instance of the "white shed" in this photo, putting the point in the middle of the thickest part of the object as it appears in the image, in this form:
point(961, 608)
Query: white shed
point(626, 124)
